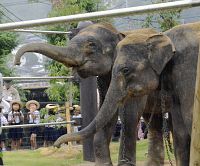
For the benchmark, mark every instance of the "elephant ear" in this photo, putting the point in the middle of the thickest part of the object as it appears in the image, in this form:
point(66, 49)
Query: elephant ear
point(161, 50)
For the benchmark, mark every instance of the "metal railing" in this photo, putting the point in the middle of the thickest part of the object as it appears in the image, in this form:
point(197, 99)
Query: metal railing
point(36, 78)
point(102, 14)
point(41, 31)
point(34, 125)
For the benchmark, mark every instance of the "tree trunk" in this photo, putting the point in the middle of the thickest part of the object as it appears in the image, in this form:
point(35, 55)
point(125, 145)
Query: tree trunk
point(88, 93)
point(195, 144)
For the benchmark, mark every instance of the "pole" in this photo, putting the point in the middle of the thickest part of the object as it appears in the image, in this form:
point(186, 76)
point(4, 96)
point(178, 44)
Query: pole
point(34, 125)
point(68, 119)
point(88, 100)
point(36, 78)
point(40, 31)
point(195, 144)
point(102, 14)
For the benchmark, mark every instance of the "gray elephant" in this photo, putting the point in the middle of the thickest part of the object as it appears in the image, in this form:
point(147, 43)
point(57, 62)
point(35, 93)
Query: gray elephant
point(146, 63)
point(92, 52)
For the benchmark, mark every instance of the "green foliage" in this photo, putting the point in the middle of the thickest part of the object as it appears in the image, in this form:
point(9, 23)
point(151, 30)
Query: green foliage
point(60, 89)
point(165, 19)
point(22, 93)
point(7, 42)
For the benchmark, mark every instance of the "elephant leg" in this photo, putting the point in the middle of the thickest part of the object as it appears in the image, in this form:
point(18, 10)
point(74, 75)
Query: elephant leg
point(129, 117)
point(101, 144)
point(180, 138)
point(156, 154)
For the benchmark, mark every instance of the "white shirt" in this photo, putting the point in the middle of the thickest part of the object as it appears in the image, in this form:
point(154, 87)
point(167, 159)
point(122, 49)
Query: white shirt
point(11, 93)
point(36, 113)
point(12, 115)
point(3, 120)
point(6, 106)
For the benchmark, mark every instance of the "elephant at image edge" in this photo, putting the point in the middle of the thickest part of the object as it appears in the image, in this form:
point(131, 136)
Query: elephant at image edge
point(143, 64)
point(88, 45)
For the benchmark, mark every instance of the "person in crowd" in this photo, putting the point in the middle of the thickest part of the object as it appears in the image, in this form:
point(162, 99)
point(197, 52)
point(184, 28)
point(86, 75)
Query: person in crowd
point(140, 132)
point(9, 92)
point(50, 132)
point(117, 131)
point(77, 117)
point(61, 129)
point(33, 118)
point(3, 122)
point(15, 117)
point(6, 105)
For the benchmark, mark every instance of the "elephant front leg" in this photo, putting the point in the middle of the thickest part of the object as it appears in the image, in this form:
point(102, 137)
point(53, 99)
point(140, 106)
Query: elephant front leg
point(155, 146)
point(102, 142)
point(129, 115)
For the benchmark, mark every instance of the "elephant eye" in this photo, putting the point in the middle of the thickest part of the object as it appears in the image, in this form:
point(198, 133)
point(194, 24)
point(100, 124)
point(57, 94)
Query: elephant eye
point(92, 45)
point(125, 70)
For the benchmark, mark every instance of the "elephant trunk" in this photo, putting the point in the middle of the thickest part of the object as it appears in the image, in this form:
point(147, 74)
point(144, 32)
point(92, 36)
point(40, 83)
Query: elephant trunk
point(60, 54)
point(105, 114)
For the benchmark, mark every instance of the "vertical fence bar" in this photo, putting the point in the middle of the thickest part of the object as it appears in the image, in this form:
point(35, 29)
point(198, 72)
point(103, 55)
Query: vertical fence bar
point(67, 107)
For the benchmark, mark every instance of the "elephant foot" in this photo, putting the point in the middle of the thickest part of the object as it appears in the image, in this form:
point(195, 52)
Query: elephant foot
point(103, 164)
point(126, 164)
point(153, 163)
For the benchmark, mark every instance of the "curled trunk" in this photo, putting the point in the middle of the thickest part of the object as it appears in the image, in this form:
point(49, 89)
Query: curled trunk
point(105, 114)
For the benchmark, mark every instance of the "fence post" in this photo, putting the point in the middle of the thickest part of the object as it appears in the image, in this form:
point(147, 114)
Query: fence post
point(68, 119)
point(88, 93)
point(195, 144)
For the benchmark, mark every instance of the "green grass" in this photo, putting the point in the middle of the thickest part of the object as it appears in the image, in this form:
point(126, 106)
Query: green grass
point(61, 157)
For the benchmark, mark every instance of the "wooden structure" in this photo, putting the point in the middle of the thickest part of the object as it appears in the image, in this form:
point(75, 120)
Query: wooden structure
point(195, 143)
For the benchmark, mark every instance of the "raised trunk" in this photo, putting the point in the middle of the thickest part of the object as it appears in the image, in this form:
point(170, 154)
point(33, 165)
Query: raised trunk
point(105, 114)
point(60, 54)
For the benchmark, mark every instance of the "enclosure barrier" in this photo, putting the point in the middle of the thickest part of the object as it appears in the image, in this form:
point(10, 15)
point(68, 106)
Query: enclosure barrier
point(40, 31)
point(36, 78)
point(34, 125)
point(101, 14)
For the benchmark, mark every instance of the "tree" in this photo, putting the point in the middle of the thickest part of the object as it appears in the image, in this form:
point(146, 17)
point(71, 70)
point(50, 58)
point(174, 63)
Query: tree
point(8, 41)
point(164, 19)
point(59, 91)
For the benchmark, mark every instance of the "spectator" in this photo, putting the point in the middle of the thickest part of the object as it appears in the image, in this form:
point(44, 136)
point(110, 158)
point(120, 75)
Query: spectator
point(77, 117)
point(140, 132)
point(9, 92)
point(15, 117)
point(6, 105)
point(33, 118)
point(50, 132)
point(117, 130)
point(3, 123)
point(61, 128)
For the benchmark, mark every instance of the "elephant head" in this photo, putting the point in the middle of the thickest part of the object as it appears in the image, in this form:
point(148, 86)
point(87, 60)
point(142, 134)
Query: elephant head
point(90, 52)
point(140, 60)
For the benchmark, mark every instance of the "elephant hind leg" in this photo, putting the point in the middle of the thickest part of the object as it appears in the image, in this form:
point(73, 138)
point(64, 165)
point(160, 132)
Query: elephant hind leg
point(181, 139)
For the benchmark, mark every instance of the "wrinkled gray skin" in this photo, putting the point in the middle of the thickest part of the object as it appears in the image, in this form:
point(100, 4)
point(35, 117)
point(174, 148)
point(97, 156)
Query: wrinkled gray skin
point(91, 52)
point(142, 63)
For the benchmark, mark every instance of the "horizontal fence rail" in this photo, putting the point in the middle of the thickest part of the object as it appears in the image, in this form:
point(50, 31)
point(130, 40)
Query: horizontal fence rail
point(102, 14)
point(36, 78)
point(40, 31)
point(34, 125)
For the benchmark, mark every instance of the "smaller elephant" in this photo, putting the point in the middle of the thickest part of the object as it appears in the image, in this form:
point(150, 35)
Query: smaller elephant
point(146, 63)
